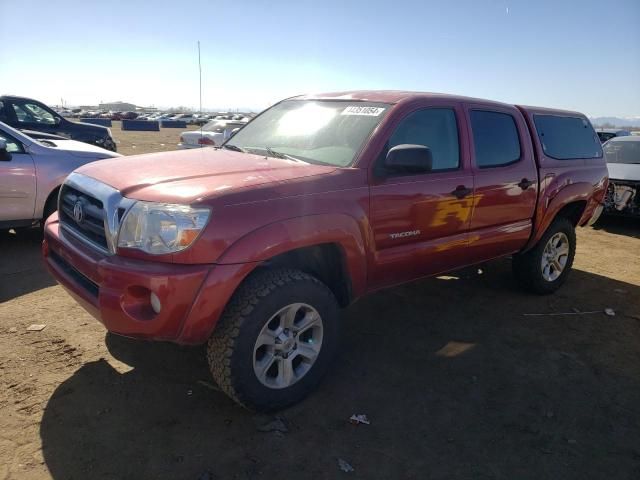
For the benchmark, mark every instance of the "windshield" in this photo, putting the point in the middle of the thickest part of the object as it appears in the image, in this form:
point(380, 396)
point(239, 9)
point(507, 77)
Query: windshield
point(315, 131)
point(622, 151)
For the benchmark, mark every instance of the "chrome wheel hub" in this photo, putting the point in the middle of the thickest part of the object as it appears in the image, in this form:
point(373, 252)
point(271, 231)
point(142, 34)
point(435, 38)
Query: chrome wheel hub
point(555, 256)
point(288, 345)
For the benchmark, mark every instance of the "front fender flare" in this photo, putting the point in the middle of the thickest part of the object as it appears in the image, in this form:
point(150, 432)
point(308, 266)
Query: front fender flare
point(276, 238)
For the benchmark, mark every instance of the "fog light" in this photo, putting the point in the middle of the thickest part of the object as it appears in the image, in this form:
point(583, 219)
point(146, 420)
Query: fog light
point(155, 303)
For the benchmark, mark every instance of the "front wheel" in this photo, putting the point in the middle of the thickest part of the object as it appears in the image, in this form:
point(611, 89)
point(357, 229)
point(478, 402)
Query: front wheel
point(545, 267)
point(275, 340)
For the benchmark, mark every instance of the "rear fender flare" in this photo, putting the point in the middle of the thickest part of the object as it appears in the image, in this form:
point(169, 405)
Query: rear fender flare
point(552, 204)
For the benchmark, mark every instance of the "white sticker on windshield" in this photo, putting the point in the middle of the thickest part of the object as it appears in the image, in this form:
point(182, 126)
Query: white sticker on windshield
point(359, 110)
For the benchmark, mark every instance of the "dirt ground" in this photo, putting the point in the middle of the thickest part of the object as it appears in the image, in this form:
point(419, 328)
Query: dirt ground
point(133, 143)
point(456, 379)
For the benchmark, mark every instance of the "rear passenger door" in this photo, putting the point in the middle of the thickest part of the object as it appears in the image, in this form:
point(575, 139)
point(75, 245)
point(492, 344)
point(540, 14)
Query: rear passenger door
point(505, 178)
point(420, 221)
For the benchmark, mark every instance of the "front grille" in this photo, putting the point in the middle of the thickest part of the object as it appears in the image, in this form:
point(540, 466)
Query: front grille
point(90, 286)
point(91, 220)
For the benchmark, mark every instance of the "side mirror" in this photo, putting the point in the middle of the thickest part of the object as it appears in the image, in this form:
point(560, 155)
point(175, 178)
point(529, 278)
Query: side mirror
point(57, 120)
point(4, 155)
point(409, 158)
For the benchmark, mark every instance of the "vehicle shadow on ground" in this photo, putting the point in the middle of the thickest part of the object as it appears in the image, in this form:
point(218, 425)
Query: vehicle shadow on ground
point(619, 225)
point(21, 268)
point(456, 381)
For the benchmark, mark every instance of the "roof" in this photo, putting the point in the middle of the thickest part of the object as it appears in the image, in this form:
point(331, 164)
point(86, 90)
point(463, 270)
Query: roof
point(388, 96)
point(397, 96)
point(550, 111)
point(15, 97)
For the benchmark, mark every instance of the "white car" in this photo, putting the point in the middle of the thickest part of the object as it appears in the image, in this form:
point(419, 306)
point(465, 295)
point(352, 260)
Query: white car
point(212, 134)
point(31, 172)
point(189, 118)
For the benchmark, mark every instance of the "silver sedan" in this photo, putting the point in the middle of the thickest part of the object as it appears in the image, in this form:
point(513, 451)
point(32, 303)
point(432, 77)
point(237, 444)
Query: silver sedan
point(31, 172)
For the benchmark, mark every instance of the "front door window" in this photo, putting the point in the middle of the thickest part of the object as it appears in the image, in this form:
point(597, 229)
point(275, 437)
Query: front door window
point(33, 114)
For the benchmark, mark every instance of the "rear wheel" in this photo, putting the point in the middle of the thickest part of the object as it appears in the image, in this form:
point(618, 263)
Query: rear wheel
point(544, 268)
point(275, 340)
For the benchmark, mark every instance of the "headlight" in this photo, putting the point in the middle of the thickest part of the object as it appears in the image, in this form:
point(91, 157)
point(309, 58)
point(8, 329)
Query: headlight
point(158, 228)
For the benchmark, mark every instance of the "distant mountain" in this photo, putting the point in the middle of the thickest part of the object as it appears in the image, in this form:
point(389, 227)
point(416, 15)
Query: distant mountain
point(616, 121)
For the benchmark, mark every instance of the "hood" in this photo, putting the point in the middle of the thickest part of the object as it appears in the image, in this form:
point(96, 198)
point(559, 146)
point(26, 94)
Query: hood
point(78, 149)
point(188, 176)
point(624, 171)
point(41, 135)
point(90, 127)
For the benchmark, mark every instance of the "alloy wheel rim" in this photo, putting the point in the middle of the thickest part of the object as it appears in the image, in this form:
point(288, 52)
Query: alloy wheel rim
point(288, 345)
point(555, 256)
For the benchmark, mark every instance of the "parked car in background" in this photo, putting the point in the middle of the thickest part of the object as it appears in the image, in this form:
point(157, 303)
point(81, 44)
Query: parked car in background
point(31, 172)
point(210, 135)
point(319, 200)
point(28, 114)
point(202, 119)
point(188, 118)
point(606, 134)
point(623, 163)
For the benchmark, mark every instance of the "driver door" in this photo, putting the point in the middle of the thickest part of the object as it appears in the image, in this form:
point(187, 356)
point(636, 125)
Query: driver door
point(421, 221)
point(17, 183)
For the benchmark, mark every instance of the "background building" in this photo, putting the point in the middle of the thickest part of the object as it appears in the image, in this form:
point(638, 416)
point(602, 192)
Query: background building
point(118, 107)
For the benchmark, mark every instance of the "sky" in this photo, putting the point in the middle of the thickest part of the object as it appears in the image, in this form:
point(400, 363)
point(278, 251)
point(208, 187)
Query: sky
point(582, 55)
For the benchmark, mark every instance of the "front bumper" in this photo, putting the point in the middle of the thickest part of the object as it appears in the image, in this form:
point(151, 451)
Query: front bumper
point(116, 290)
point(109, 144)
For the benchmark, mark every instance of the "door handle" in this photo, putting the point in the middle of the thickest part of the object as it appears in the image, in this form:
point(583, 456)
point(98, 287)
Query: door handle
point(461, 191)
point(525, 183)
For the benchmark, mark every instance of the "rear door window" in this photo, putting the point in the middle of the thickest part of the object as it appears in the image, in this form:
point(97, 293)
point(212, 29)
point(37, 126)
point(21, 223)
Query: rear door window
point(567, 138)
point(495, 138)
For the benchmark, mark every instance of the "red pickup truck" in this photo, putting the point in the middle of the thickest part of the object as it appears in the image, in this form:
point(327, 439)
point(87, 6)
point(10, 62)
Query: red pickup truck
point(254, 246)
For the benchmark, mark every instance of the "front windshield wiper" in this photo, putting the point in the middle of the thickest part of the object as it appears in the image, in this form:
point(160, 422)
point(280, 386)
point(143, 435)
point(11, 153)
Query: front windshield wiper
point(235, 148)
point(273, 153)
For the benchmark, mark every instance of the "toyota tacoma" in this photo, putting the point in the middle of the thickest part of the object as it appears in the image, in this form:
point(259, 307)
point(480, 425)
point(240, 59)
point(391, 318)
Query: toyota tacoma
point(252, 247)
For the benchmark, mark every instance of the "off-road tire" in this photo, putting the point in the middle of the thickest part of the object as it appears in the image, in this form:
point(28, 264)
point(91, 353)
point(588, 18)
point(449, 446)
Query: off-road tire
point(527, 266)
point(230, 348)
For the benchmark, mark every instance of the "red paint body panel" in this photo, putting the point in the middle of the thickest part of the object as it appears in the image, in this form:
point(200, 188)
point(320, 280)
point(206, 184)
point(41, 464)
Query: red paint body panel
point(557, 175)
point(262, 207)
point(501, 221)
point(116, 305)
point(188, 176)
